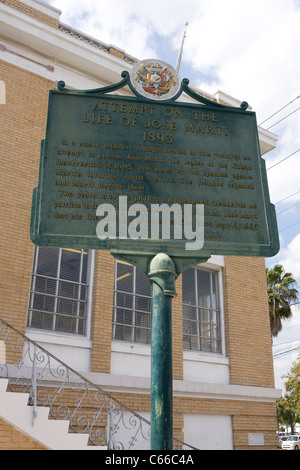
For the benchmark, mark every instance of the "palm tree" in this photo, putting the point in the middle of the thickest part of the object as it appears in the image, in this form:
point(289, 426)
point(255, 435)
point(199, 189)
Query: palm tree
point(280, 293)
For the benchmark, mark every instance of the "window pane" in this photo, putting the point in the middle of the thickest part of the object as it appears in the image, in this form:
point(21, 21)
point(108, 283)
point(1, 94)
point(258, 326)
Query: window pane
point(67, 289)
point(70, 265)
point(143, 286)
point(200, 309)
point(84, 267)
point(66, 306)
point(189, 312)
point(119, 316)
point(215, 298)
point(132, 308)
point(203, 284)
point(143, 336)
point(143, 303)
point(56, 288)
point(83, 293)
point(124, 277)
point(42, 320)
point(142, 320)
point(47, 261)
point(186, 342)
point(124, 300)
point(188, 287)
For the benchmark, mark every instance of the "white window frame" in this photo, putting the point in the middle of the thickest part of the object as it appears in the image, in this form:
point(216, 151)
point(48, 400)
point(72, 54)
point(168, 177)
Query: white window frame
point(132, 309)
point(215, 267)
point(57, 279)
point(220, 324)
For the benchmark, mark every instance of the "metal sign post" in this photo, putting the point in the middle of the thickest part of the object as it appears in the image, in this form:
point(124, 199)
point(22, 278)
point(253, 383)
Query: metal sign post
point(162, 275)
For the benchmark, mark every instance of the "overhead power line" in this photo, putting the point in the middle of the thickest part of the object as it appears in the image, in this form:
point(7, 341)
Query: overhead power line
point(288, 197)
point(278, 80)
point(283, 118)
point(282, 230)
point(283, 159)
point(282, 344)
point(286, 351)
point(279, 110)
point(288, 208)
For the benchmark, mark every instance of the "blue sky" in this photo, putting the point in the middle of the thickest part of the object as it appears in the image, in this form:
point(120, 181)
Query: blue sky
point(249, 50)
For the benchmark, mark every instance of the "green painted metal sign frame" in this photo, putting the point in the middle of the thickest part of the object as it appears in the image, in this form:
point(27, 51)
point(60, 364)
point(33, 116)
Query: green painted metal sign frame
point(100, 146)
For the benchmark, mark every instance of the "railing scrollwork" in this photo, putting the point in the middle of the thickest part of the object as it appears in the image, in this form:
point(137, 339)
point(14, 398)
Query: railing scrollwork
point(89, 409)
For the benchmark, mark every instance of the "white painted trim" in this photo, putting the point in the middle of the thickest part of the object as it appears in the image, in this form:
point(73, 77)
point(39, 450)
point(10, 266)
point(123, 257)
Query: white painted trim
point(61, 48)
point(267, 140)
point(57, 338)
point(201, 356)
point(228, 99)
point(183, 388)
point(43, 8)
point(125, 347)
point(214, 262)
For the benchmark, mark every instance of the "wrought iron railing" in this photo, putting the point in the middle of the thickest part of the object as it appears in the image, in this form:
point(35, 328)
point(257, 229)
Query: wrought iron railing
point(49, 382)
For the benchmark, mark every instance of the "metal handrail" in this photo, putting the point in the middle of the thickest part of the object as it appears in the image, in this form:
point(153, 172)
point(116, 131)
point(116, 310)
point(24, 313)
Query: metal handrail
point(45, 377)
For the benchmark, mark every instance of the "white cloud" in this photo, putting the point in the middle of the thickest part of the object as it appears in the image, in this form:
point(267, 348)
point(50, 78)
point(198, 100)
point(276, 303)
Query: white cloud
point(127, 25)
point(290, 257)
point(246, 45)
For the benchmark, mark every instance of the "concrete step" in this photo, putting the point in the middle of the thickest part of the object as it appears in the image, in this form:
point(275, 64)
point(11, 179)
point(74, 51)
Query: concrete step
point(52, 434)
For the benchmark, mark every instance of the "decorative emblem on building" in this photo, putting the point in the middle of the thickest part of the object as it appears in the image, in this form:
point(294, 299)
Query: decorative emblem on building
point(155, 79)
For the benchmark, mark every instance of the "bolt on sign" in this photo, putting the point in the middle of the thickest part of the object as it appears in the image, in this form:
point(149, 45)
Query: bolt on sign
point(148, 173)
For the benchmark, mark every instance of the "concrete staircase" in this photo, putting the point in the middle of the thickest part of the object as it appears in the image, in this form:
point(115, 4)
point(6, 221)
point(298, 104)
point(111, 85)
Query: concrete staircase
point(52, 434)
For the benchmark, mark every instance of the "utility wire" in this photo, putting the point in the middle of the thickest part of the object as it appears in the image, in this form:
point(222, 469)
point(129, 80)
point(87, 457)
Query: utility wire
point(281, 200)
point(283, 118)
point(283, 159)
point(278, 80)
point(282, 230)
point(287, 351)
point(283, 344)
point(279, 110)
point(286, 345)
point(288, 208)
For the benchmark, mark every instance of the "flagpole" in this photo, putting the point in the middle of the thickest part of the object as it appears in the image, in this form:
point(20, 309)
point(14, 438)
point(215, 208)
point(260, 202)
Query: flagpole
point(181, 49)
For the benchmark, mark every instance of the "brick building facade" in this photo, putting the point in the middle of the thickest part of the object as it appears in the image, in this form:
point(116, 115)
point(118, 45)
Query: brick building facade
point(223, 389)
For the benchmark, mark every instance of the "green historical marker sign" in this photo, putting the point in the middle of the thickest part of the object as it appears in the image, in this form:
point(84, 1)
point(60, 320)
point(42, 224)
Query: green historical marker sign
point(161, 183)
point(141, 175)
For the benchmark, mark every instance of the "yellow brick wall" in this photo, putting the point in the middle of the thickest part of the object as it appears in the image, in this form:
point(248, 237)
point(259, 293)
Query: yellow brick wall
point(177, 332)
point(12, 439)
point(32, 12)
point(102, 311)
point(247, 417)
point(22, 127)
point(247, 329)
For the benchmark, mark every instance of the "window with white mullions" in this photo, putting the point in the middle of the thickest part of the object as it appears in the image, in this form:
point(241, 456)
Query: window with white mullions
point(201, 308)
point(132, 304)
point(59, 290)
point(201, 311)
